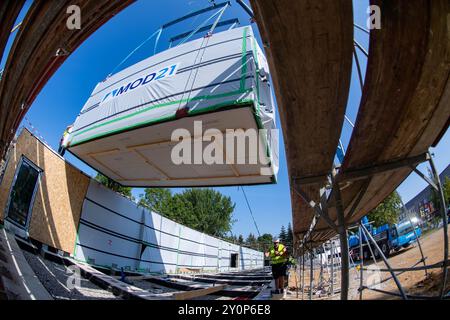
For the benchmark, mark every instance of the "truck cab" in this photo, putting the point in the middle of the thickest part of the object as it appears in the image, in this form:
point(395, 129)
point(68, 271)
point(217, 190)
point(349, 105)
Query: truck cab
point(388, 238)
point(402, 235)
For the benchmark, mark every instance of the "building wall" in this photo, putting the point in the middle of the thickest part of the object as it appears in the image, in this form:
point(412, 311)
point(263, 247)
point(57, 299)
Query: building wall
point(115, 232)
point(424, 196)
point(59, 198)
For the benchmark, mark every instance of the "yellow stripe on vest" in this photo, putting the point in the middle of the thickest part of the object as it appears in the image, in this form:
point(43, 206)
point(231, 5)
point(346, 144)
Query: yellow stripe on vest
point(277, 259)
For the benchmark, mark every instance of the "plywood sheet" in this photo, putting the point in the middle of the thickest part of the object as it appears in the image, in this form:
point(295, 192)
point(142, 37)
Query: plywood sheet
point(405, 102)
point(404, 108)
point(62, 187)
point(143, 157)
point(309, 48)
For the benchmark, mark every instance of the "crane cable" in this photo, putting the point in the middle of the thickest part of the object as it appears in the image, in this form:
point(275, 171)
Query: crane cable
point(158, 33)
point(251, 212)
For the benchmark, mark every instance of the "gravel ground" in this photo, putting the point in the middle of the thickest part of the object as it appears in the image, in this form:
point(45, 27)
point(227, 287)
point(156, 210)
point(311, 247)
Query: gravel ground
point(54, 278)
point(212, 297)
point(153, 288)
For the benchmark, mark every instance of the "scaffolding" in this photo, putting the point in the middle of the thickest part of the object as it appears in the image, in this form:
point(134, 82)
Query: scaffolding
point(342, 263)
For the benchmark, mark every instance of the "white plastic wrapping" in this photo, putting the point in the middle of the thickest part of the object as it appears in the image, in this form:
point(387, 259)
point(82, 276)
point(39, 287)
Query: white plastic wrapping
point(124, 130)
point(115, 232)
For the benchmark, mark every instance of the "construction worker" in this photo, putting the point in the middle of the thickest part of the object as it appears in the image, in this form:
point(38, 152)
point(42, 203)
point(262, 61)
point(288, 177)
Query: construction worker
point(278, 260)
point(64, 140)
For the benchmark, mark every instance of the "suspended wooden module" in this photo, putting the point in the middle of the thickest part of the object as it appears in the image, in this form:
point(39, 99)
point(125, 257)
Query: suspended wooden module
point(127, 129)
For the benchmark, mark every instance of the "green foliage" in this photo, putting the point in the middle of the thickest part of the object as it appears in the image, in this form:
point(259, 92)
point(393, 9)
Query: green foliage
point(261, 243)
point(111, 184)
point(156, 199)
point(387, 211)
point(265, 241)
point(435, 197)
point(231, 238)
point(205, 210)
point(289, 236)
point(251, 241)
point(446, 187)
point(283, 235)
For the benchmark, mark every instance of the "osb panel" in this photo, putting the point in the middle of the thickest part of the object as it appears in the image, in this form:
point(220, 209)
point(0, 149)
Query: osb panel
point(59, 199)
point(7, 180)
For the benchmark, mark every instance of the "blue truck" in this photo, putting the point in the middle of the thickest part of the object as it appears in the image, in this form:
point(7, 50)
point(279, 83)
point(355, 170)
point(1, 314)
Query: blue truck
point(388, 237)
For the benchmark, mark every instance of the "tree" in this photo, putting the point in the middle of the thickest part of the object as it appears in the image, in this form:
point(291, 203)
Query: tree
point(265, 241)
point(435, 197)
point(387, 211)
point(289, 236)
point(241, 239)
point(446, 187)
point(111, 184)
point(205, 210)
point(283, 235)
point(251, 241)
point(156, 199)
point(231, 238)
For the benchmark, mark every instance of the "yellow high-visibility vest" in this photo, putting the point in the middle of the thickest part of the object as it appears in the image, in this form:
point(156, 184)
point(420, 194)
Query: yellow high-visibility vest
point(277, 259)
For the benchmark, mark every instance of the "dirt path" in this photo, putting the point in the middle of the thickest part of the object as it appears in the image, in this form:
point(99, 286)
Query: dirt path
point(413, 281)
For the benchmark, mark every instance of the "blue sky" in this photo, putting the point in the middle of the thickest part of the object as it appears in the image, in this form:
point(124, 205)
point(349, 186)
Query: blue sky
point(63, 97)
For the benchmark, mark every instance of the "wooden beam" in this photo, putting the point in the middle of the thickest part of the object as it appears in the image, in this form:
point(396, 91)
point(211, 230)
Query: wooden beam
point(106, 167)
point(197, 293)
point(367, 172)
point(191, 178)
point(229, 161)
point(169, 142)
point(103, 153)
point(303, 181)
point(151, 164)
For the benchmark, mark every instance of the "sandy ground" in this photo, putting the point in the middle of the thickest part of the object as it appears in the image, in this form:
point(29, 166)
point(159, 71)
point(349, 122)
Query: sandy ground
point(413, 282)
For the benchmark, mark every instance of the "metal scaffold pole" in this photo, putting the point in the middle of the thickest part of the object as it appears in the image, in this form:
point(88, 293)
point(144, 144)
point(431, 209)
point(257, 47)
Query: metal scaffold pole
point(332, 268)
point(372, 254)
point(386, 262)
point(303, 275)
point(320, 281)
point(420, 246)
point(361, 265)
point(311, 275)
point(345, 279)
point(416, 236)
point(297, 277)
point(444, 227)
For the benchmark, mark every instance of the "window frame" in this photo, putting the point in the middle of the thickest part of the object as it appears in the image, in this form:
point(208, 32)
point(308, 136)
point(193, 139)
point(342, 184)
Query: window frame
point(23, 159)
point(232, 255)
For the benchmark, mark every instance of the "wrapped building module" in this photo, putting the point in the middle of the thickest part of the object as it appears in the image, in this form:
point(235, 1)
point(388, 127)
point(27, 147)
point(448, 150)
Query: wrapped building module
point(199, 114)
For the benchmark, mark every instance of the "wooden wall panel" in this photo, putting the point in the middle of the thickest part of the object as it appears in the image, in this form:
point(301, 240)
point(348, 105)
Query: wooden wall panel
point(309, 46)
point(59, 199)
point(7, 180)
